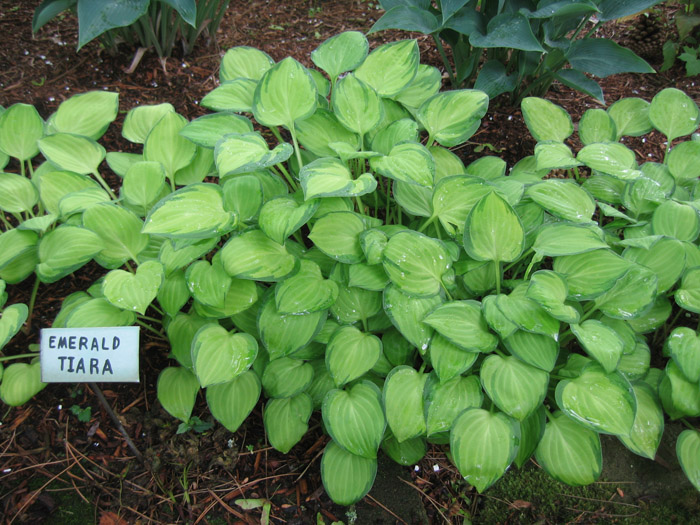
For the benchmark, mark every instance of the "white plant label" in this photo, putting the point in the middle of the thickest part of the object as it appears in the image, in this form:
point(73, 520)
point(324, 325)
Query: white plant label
point(82, 355)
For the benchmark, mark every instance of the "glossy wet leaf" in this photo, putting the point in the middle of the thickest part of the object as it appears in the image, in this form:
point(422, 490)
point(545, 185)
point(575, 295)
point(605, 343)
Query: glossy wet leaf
point(244, 62)
point(596, 125)
point(134, 291)
point(564, 199)
point(287, 420)
point(286, 377)
point(406, 453)
point(416, 263)
point(120, 232)
point(351, 353)
point(645, 436)
point(599, 341)
point(612, 158)
point(448, 360)
point(665, 257)
point(231, 402)
point(403, 402)
point(683, 345)
point(631, 295)
point(247, 152)
point(592, 273)
point(684, 395)
point(462, 323)
point(531, 432)
point(232, 95)
point(346, 477)
point(407, 314)
point(356, 105)
point(546, 120)
point(493, 231)
point(281, 217)
point(337, 235)
point(329, 177)
point(676, 220)
point(688, 453)
point(515, 387)
point(86, 114)
point(550, 291)
point(528, 315)
point(164, 144)
point(306, 291)
point(538, 350)
point(177, 391)
point(20, 382)
point(444, 401)
point(673, 113)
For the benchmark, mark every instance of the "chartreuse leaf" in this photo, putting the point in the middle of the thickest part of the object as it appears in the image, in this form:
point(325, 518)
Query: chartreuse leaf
point(134, 291)
point(286, 92)
point(538, 350)
point(98, 312)
point(287, 420)
point(528, 315)
point(550, 291)
point(354, 418)
point(592, 273)
point(337, 235)
point(64, 250)
point(283, 335)
point(346, 477)
point(685, 396)
point(219, 356)
point(177, 391)
point(451, 117)
point(321, 129)
point(414, 199)
point(176, 255)
point(416, 263)
point(631, 295)
point(55, 185)
point(351, 353)
point(600, 401)
point(551, 155)
point(684, 160)
point(17, 193)
point(462, 323)
point(240, 296)
point(207, 130)
point(596, 125)
point(231, 402)
point(599, 341)
point(688, 294)
point(143, 184)
point(286, 377)
point(120, 232)
point(208, 283)
point(173, 293)
point(20, 382)
point(164, 144)
point(566, 200)
point(232, 95)
point(645, 436)
point(407, 314)
point(18, 254)
point(665, 257)
point(498, 322)
point(86, 114)
point(247, 152)
point(243, 195)
point(329, 177)
point(517, 388)
point(403, 402)
point(140, 120)
point(281, 217)
point(454, 197)
point(683, 345)
point(355, 304)
point(72, 152)
point(493, 231)
point(688, 453)
point(407, 162)
point(341, 53)
point(483, 445)
point(181, 331)
point(424, 85)
point(193, 212)
point(406, 453)
point(390, 67)
point(570, 452)
point(673, 113)
point(369, 277)
point(244, 62)
point(11, 320)
point(531, 432)
point(444, 401)
point(546, 120)
point(306, 291)
point(676, 220)
point(356, 105)
point(631, 117)
point(612, 158)
point(20, 129)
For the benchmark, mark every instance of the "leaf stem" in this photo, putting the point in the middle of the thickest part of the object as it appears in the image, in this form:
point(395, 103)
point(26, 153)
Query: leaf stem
point(32, 300)
point(287, 176)
point(106, 186)
point(497, 268)
point(687, 424)
point(445, 61)
point(151, 329)
point(427, 223)
point(20, 356)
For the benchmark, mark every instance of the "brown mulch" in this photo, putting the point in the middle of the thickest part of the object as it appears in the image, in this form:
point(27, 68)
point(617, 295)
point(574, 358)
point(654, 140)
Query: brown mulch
point(45, 450)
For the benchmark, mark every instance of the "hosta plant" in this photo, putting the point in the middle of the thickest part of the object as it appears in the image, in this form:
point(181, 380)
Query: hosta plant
point(335, 256)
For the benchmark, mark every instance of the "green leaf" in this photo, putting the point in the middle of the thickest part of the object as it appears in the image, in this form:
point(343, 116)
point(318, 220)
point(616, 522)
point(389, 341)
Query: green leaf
point(21, 127)
point(207, 130)
point(72, 152)
point(407, 162)
point(683, 346)
point(528, 315)
point(356, 105)
point(550, 291)
point(140, 121)
point(596, 125)
point(244, 62)
point(247, 152)
point(407, 453)
point(685, 396)
point(177, 391)
point(688, 453)
point(684, 160)
point(600, 401)
point(134, 292)
point(454, 197)
point(286, 377)
point(286, 92)
point(164, 144)
point(631, 117)
point(538, 350)
point(321, 129)
point(483, 445)
point(592, 273)
point(546, 120)
point(329, 177)
point(531, 432)
point(444, 401)
point(602, 57)
point(173, 293)
point(306, 291)
point(631, 296)
point(674, 113)
point(17, 193)
point(451, 117)
point(119, 231)
point(424, 85)
point(143, 184)
point(351, 353)
point(570, 452)
point(407, 314)
point(287, 420)
point(611, 158)
point(219, 356)
point(688, 294)
point(462, 323)
point(11, 320)
point(18, 255)
point(390, 67)
point(551, 155)
point(87, 114)
point(64, 250)
point(645, 436)
point(448, 360)
point(337, 235)
point(281, 217)
point(355, 304)
point(355, 419)
point(666, 258)
point(20, 383)
point(181, 331)
point(346, 477)
point(416, 263)
point(232, 96)
point(676, 220)
point(566, 200)
point(600, 342)
point(193, 212)
point(403, 402)
point(341, 53)
point(493, 231)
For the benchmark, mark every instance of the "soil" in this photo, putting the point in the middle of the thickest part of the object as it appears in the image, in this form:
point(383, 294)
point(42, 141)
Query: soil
point(59, 467)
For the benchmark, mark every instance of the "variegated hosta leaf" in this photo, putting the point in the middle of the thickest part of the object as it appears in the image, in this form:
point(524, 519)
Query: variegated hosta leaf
point(462, 323)
point(449, 360)
point(341, 53)
point(218, 356)
point(407, 314)
point(569, 452)
point(538, 350)
point(550, 291)
point(247, 152)
point(329, 177)
point(231, 402)
point(515, 387)
point(177, 391)
point(407, 162)
point(306, 291)
point(444, 401)
point(357, 105)
point(287, 420)
point(72, 152)
point(611, 158)
point(351, 353)
point(483, 445)
point(337, 234)
point(86, 114)
point(253, 255)
point(354, 418)
point(676, 220)
point(286, 377)
point(232, 95)
point(181, 331)
point(20, 382)
point(453, 199)
point(546, 120)
point(120, 231)
point(346, 477)
point(562, 238)
point(164, 144)
point(244, 62)
point(136, 291)
point(688, 452)
point(674, 113)
point(631, 117)
point(599, 341)
point(493, 231)
point(17, 193)
point(281, 217)
point(451, 117)
point(631, 295)
point(391, 67)
point(563, 199)
point(403, 402)
point(531, 431)
point(406, 453)
point(592, 273)
point(683, 345)
point(684, 395)
point(665, 257)
point(596, 125)
point(11, 320)
point(645, 436)
point(64, 250)
point(528, 315)
point(140, 120)
point(20, 129)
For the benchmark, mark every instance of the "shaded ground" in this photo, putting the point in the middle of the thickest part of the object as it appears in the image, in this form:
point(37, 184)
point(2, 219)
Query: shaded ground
point(58, 468)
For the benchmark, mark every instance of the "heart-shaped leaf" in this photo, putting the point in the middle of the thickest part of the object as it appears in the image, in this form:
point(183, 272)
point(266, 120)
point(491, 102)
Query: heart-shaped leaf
point(177, 391)
point(346, 477)
point(550, 291)
point(134, 291)
point(64, 250)
point(546, 120)
point(673, 113)
point(11, 320)
point(631, 295)
point(451, 117)
point(601, 342)
point(329, 177)
point(140, 120)
point(462, 323)
point(356, 105)
point(247, 152)
point(120, 231)
point(253, 255)
point(86, 114)
point(164, 144)
point(596, 125)
point(219, 356)
point(281, 217)
point(17, 193)
point(493, 231)
point(592, 273)
point(235, 95)
point(407, 314)
point(631, 117)
point(444, 401)
point(337, 234)
point(20, 129)
point(568, 239)
point(538, 350)
point(403, 402)
point(528, 315)
point(244, 62)
point(20, 383)
point(683, 346)
point(688, 453)
point(287, 420)
point(645, 436)
point(230, 403)
point(286, 377)
point(453, 199)
point(208, 283)
point(350, 354)
point(173, 293)
point(665, 257)
point(390, 67)
point(406, 453)
point(407, 162)
point(72, 152)
point(688, 294)
point(181, 331)
point(341, 53)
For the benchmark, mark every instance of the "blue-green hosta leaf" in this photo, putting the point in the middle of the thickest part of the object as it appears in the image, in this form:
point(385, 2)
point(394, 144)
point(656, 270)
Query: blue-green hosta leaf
point(346, 477)
point(193, 212)
point(602, 57)
point(683, 345)
point(449, 360)
point(600, 401)
point(493, 231)
point(337, 234)
point(528, 315)
point(17, 193)
point(596, 125)
point(407, 162)
point(391, 67)
point(281, 217)
point(164, 144)
point(685, 395)
point(688, 453)
point(631, 117)
point(286, 377)
point(177, 391)
point(21, 127)
point(407, 314)
point(546, 120)
point(351, 353)
point(72, 152)
point(645, 436)
point(247, 152)
point(688, 294)
point(282, 334)
point(329, 177)
point(87, 114)
point(64, 250)
point(674, 113)
point(416, 263)
point(462, 323)
point(676, 220)
point(119, 230)
point(592, 273)
point(20, 383)
point(133, 292)
point(287, 420)
point(11, 320)
point(356, 105)
point(454, 197)
point(219, 356)
point(445, 400)
point(231, 402)
point(518, 389)
point(570, 452)
point(550, 291)
point(206, 131)
point(341, 53)
point(630, 296)
point(244, 62)
point(232, 95)
point(611, 158)
point(483, 445)
point(666, 258)
point(564, 199)
point(286, 92)
point(600, 342)
point(451, 117)
point(403, 402)
point(355, 419)
point(140, 121)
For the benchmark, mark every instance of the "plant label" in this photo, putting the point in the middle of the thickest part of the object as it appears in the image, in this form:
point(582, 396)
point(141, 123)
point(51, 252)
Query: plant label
point(82, 355)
